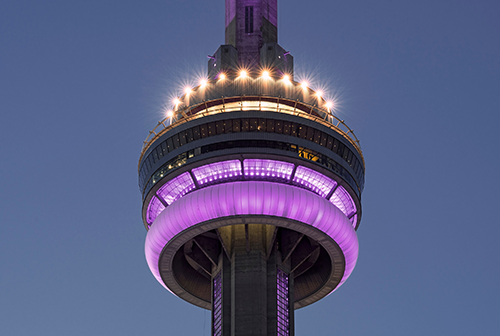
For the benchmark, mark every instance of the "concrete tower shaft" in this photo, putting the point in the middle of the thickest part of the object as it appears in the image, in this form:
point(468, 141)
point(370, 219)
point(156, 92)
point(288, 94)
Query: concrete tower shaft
point(249, 25)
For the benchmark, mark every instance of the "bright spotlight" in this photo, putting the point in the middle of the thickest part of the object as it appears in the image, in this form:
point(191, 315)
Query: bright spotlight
point(222, 76)
point(329, 105)
point(243, 73)
point(319, 93)
point(188, 90)
point(170, 113)
point(304, 85)
point(266, 75)
point(286, 78)
point(203, 82)
point(177, 101)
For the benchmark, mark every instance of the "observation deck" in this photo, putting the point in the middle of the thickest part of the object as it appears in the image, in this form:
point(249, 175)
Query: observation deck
point(251, 186)
point(265, 131)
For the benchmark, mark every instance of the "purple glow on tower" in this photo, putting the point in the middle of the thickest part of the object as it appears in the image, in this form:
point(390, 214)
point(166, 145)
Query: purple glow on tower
point(283, 305)
point(214, 172)
point(344, 202)
point(255, 169)
point(251, 198)
point(217, 305)
point(354, 220)
point(314, 181)
point(176, 188)
point(268, 169)
point(155, 207)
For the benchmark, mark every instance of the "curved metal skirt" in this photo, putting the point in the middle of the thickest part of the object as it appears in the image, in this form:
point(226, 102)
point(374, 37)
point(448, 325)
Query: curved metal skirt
point(251, 198)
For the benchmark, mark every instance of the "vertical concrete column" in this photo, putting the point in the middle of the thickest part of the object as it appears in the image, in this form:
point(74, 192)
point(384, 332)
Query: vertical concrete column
point(249, 281)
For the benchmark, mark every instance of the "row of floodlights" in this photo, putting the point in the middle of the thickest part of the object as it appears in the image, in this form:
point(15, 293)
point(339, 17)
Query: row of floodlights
point(265, 74)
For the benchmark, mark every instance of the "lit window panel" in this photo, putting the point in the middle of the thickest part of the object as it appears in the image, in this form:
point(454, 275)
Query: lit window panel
point(217, 172)
point(155, 208)
point(314, 181)
point(267, 169)
point(342, 200)
point(176, 188)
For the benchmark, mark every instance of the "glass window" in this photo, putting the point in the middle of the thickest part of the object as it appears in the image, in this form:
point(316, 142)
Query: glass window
point(245, 125)
point(346, 152)
point(270, 125)
point(286, 128)
point(176, 141)
point(268, 169)
point(189, 135)
point(203, 131)
point(160, 152)
point(317, 136)
point(170, 144)
point(354, 164)
point(182, 137)
point(349, 158)
point(254, 124)
point(211, 129)
point(329, 143)
point(340, 149)
point(219, 126)
point(294, 129)
point(310, 134)
point(302, 131)
point(314, 181)
point(155, 155)
point(262, 125)
point(196, 133)
point(278, 126)
point(164, 148)
point(335, 147)
point(324, 139)
point(228, 126)
point(236, 125)
point(176, 188)
point(225, 170)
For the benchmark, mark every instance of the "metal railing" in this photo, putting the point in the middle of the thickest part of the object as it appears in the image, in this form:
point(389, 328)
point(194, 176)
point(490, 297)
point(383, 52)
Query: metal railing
point(251, 103)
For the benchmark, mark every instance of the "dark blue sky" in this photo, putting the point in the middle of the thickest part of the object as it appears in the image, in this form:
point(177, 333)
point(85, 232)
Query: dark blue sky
point(82, 83)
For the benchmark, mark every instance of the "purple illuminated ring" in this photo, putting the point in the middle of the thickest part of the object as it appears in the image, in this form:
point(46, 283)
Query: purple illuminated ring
point(305, 209)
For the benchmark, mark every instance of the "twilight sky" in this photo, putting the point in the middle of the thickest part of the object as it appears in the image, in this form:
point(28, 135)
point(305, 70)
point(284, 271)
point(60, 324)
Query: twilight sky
point(82, 83)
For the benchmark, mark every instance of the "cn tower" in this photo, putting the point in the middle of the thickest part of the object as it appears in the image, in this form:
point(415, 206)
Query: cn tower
point(251, 186)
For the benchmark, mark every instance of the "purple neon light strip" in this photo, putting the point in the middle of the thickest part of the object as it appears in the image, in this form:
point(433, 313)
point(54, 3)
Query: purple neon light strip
point(176, 188)
point(314, 181)
point(343, 201)
point(251, 198)
point(268, 169)
point(214, 172)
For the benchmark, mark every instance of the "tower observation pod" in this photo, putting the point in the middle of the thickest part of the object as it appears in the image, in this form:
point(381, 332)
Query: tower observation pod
point(251, 186)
